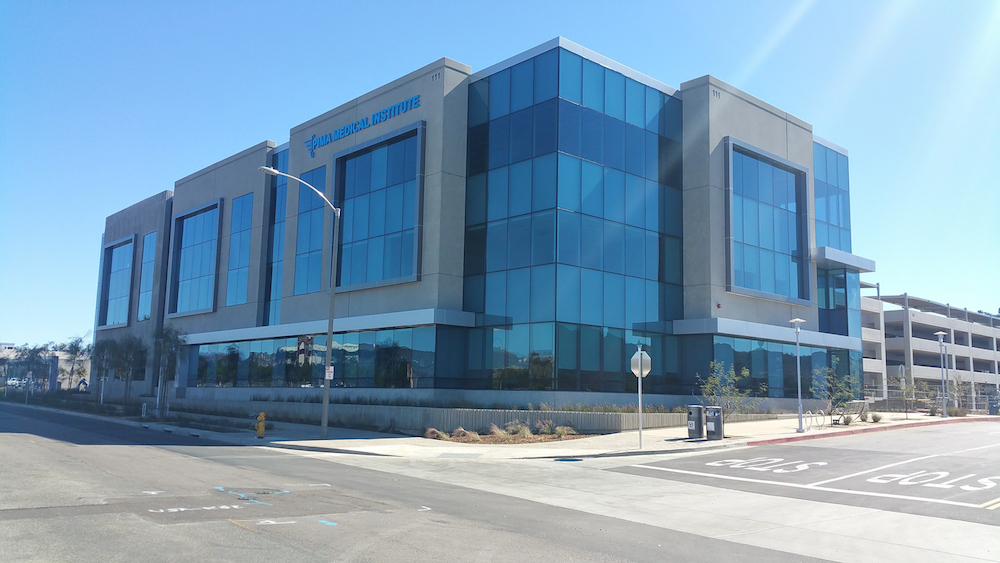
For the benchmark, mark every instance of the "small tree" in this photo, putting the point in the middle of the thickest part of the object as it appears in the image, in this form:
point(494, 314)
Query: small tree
point(910, 391)
point(101, 361)
point(76, 353)
point(31, 358)
point(129, 356)
point(168, 340)
point(729, 390)
point(836, 389)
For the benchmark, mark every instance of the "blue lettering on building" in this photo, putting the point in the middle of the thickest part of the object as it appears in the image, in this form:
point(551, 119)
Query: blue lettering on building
point(386, 114)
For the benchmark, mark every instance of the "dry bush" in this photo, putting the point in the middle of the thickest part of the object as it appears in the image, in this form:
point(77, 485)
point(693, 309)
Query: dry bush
point(435, 434)
point(563, 431)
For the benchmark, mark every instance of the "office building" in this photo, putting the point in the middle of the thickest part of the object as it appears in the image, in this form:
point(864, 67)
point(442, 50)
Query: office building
point(508, 236)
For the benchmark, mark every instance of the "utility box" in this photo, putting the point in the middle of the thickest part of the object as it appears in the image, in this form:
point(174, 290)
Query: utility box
point(696, 422)
point(713, 423)
point(994, 404)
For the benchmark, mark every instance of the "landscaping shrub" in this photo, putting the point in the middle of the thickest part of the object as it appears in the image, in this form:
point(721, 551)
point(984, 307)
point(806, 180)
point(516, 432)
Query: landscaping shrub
point(933, 410)
point(544, 426)
point(563, 431)
point(518, 428)
point(435, 434)
point(958, 411)
point(876, 417)
point(863, 417)
point(848, 419)
point(499, 433)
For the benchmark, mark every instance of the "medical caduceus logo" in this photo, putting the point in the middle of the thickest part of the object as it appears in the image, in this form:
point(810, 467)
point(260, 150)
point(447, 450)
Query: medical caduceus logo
point(311, 146)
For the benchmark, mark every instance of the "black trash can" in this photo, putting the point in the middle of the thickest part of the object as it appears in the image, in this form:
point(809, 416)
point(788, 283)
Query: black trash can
point(713, 423)
point(696, 422)
point(994, 404)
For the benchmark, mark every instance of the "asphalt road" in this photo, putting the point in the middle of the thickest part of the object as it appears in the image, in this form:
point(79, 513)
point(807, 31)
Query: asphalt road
point(81, 489)
point(948, 471)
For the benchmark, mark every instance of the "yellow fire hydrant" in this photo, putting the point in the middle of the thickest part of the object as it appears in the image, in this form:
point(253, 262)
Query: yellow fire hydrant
point(259, 427)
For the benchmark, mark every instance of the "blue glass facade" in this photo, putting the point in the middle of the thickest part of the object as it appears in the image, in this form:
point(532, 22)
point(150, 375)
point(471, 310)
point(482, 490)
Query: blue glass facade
point(276, 239)
point(772, 365)
point(395, 358)
point(833, 198)
point(241, 224)
point(378, 188)
point(117, 285)
point(309, 237)
point(146, 277)
point(573, 216)
point(768, 227)
point(194, 288)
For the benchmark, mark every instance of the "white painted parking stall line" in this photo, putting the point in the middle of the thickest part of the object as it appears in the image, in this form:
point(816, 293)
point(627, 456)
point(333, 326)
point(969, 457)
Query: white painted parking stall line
point(867, 471)
point(811, 487)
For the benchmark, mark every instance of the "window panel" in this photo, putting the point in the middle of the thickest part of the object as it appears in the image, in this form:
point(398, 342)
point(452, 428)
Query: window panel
point(592, 188)
point(543, 238)
point(496, 246)
point(614, 300)
point(592, 243)
point(593, 86)
point(570, 76)
point(519, 242)
point(614, 195)
point(522, 85)
point(614, 247)
point(545, 127)
point(614, 143)
point(543, 298)
point(521, 135)
point(568, 294)
point(591, 297)
point(569, 128)
point(592, 141)
point(614, 94)
point(635, 103)
point(519, 188)
point(497, 194)
point(569, 182)
point(546, 76)
point(569, 238)
point(500, 94)
point(517, 292)
point(499, 142)
point(543, 182)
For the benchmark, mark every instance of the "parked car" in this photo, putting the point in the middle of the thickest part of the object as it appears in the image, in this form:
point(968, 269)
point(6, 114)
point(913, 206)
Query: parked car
point(15, 382)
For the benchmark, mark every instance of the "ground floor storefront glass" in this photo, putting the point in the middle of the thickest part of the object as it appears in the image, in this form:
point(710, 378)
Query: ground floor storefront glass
point(533, 356)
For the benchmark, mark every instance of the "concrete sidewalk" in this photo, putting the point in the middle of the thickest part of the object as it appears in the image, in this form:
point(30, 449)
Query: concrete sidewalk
point(655, 441)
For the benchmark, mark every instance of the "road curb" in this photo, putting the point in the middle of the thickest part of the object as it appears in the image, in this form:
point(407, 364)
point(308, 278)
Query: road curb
point(789, 439)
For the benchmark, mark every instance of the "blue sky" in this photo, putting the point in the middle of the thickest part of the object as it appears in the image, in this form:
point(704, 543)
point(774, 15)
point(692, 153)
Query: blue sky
point(103, 104)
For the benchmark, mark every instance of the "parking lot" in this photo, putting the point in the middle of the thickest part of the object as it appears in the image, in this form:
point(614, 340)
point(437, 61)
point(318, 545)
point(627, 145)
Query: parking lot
point(948, 471)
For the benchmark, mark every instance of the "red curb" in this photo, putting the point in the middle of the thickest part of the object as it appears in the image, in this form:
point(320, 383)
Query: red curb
point(852, 432)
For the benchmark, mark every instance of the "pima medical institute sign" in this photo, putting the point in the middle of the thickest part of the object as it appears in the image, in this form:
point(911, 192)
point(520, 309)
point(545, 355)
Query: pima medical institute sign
point(364, 123)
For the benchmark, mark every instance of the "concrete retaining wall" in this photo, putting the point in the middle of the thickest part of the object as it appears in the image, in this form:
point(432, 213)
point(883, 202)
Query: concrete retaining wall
point(414, 420)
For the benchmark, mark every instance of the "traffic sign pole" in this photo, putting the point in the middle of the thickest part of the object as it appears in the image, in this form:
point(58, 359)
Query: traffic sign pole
point(641, 365)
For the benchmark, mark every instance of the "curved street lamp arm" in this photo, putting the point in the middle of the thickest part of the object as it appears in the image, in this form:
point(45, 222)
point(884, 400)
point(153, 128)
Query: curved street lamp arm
point(272, 172)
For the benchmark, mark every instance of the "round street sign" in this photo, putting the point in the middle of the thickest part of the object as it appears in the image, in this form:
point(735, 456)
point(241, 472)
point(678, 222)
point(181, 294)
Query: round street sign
point(641, 363)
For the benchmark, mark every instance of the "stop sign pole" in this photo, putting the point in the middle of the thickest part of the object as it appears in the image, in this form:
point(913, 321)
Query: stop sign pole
point(641, 364)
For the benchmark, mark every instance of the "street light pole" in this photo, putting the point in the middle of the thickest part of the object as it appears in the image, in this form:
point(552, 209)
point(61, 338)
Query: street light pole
point(798, 368)
point(944, 389)
point(325, 415)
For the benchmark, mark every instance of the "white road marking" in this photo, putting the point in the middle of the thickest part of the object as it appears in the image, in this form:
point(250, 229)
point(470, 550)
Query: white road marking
point(423, 508)
point(901, 463)
point(811, 487)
